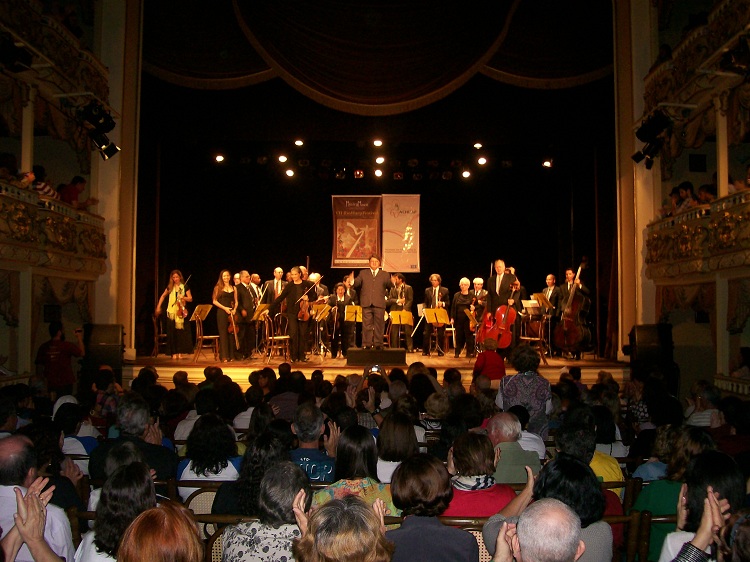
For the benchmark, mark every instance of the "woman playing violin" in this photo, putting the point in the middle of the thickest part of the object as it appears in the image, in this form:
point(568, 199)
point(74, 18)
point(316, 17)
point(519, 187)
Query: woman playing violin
point(179, 335)
point(225, 300)
point(297, 303)
point(463, 301)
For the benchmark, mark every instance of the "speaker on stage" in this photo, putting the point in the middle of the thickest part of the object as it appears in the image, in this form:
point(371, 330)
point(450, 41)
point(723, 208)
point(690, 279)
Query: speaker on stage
point(104, 346)
point(363, 357)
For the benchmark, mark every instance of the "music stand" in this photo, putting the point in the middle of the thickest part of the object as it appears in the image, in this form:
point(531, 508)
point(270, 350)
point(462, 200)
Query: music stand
point(542, 299)
point(199, 315)
point(260, 310)
point(353, 313)
point(401, 318)
point(436, 316)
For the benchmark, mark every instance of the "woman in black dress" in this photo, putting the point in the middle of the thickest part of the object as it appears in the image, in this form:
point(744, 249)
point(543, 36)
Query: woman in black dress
point(225, 299)
point(179, 335)
point(462, 301)
point(294, 292)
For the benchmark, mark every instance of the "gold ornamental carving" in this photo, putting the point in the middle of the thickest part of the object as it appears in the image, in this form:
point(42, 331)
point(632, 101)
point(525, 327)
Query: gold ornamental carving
point(17, 222)
point(60, 233)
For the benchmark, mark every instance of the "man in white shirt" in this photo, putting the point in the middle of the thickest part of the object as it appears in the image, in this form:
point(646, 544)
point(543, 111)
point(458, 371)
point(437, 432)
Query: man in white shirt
point(18, 469)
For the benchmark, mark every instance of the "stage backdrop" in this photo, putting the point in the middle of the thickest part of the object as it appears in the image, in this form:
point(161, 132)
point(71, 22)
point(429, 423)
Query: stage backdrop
point(401, 233)
point(356, 229)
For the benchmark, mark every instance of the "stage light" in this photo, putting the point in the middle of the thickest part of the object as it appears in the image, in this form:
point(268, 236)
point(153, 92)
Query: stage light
point(98, 117)
point(481, 161)
point(359, 174)
point(378, 173)
point(290, 173)
point(379, 160)
point(299, 142)
point(282, 158)
point(219, 158)
point(377, 142)
point(466, 174)
point(547, 163)
point(477, 145)
point(653, 132)
point(107, 149)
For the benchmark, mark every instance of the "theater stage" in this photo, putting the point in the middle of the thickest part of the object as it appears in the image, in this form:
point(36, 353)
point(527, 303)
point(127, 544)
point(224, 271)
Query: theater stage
point(239, 370)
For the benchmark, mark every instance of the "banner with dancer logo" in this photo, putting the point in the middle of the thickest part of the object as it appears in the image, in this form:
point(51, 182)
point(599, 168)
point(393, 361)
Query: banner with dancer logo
point(356, 229)
point(401, 233)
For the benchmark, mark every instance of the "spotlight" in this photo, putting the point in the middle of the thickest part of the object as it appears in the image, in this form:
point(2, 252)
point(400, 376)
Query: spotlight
point(477, 145)
point(653, 126)
point(219, 158)
point(377, 142)
point(379, 160)
point(107, 149)
point(282, 158)
point(98, 117)
point(481, 161)
point(378, 173)
point(290, 173)
point(466, 174)
point(649, 162)
point(548, 162)
point(398, 176)
point(299, 142)
point(359, 174)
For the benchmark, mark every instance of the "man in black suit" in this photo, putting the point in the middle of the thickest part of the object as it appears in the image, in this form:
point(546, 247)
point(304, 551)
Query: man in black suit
point(499, 287)
point(552, 292)
point(565, 288)
point(339, 328)
point(435, 297)
point(245, 309)
point(372, 285)
point(272, 289)
point(401, 298)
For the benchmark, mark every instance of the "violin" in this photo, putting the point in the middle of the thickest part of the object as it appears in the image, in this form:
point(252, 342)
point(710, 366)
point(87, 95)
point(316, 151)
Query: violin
point(182, 310)
point(304, 304)
point(472, 317)
point(232, 329)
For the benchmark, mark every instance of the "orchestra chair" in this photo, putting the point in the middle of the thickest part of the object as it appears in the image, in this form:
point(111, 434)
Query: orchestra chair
point(537, 341)
point(644, 535)
point(472, 525)
point(202, 340)
point(201, 500)
point(160, 337)
point(277, 340)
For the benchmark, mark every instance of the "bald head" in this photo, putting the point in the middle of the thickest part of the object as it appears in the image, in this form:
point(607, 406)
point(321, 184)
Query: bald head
point(549, 531)
point(17, 461)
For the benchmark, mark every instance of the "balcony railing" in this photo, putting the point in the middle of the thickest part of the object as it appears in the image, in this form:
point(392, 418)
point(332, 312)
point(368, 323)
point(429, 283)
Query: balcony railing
point(702, 240)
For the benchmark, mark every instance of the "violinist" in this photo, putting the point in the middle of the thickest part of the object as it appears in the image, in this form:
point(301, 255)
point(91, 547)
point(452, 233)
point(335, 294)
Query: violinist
point(179, 335)
point(463, 301)
point(225, 300)
point(434, 297)
point(295, 294)
point(246, 308)
point(373, 285)
point(480, 295)
point(400, 298)
point(518, 294)
point(340, 330)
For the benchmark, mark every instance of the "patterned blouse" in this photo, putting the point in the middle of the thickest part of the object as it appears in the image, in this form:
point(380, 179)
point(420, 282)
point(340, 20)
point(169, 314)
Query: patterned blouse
point(532, 391)
point(366, 488)
point(256, 542)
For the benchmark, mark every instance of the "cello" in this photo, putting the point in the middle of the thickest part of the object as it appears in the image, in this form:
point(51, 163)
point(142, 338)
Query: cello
point(571, 333)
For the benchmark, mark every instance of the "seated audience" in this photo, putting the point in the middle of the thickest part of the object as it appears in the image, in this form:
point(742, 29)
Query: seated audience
point(606, 433)
point(396, 441)
point(489, 362)
point(205, 403)
point(422, 490)
point(504, 431)
point(166, 533)
point(308, 426)
point(472, 461)
point(270, 538)
point(343, 530)
point(528, 441)
point(69, 419)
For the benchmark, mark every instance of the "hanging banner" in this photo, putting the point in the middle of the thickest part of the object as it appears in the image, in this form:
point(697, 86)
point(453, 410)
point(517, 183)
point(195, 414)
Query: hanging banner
point(401, 233)
point(356, 229)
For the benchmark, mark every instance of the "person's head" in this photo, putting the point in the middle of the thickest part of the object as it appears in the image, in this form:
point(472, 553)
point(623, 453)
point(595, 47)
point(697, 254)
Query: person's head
point(550, 280)
point(307, 424)
point(397, 389)
point(490, 344)
point(686, 190)
point(605, 425)
point(572, 481)
point(210, 445)
point(473, 455)
point(715, 469)
point(469, 409)
point(266, 451)
point(121, 455)
point(688, 442)
point(478, 284)
point(55, 329)
point(521, 413)
point(577, 440)
point(398, 279)
point(396, 439)
point(166, 533)
point(356, 454)
point(175, 279)
point(345, 530)
point(421, 485)
point(79, 183)
point(525, 358)
point(450, 376)
point(127, 493)
point(464, 284)
point(132, 414)
point(499, 267)
point(340, 290)
point(277, 491)
point(18, 461)
point(437, 406)
point(225, 278)
point(435, 280)
point(549, 531)
point(69, 417)
point(503, 428)
point(374, 262)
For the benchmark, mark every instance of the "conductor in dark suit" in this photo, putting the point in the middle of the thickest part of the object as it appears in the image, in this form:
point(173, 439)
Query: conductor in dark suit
point(400, 299)
point(498, 287)
point(435, 297)
point(372, 285)
point(245, 311)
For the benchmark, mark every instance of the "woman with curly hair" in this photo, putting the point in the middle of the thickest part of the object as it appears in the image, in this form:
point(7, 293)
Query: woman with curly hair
point(125, 495)
point(343, 530)
point(241, 497)
point(421, 488)
point(269, 539)
point(211, 453)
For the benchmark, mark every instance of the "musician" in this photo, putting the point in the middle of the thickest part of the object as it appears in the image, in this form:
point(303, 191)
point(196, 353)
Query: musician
point(435, 297)
point(462, 301)
point(237, 279)
point(246, 305)
point(480, 295)
point(570, 280)
point(498, 286)
point(352, 294)
point(272, 289)
point(339, 328)
point(321, 291)
point(294, 294)
point(373, 285)
point(303, 272)
point(400, 299)
point(225, 300)
point(179, 335)
point(318, 295)
point(518, 294)
point(552, 292)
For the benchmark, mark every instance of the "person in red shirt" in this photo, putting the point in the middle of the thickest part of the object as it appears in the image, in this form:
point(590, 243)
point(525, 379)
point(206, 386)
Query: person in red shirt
point(489, 362)
point(53, 359)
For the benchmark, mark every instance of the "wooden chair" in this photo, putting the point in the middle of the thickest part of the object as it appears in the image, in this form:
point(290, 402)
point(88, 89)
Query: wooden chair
point(160, 338)
point(644, 535)
point(202, 340)
point(474, 526)
point(632, 536)
point(74, 518)
point(277, 340)
point(201, 500)
point(213, 527)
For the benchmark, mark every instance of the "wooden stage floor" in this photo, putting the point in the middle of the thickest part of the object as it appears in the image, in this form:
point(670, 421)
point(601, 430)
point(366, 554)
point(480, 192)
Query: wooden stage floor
point(239, 370)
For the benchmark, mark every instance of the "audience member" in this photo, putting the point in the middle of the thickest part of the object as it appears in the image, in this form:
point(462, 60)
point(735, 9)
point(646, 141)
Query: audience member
point(308, 426)
point(489, 362)
point(504, 431)
point(205, 402)
point(528, 441)
point(396, 442)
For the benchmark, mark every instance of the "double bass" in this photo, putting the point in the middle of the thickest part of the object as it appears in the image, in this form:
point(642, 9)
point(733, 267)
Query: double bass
point(571, 333)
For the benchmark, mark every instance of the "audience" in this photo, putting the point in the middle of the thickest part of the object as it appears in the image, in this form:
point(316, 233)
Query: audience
point(504, 431)
point(396, 442)
point(308, 426)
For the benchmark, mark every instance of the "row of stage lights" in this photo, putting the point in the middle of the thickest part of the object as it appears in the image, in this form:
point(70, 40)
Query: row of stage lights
point(359, 173)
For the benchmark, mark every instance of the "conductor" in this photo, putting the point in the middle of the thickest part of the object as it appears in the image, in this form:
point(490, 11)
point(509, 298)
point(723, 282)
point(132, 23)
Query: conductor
point(373, 285)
